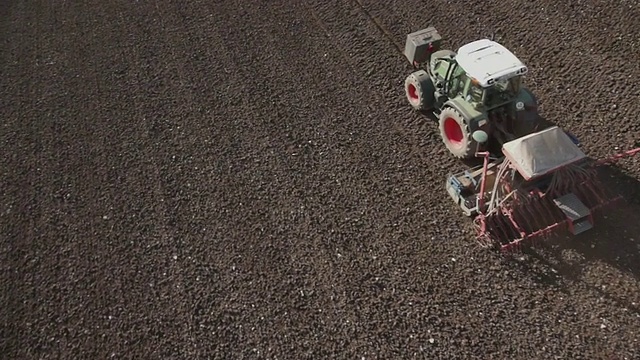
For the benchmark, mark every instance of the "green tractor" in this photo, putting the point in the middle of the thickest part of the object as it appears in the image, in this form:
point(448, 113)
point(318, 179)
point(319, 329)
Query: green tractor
point(477, 88)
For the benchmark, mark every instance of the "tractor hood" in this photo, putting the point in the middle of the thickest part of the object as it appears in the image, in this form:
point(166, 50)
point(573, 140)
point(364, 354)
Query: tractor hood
point(542, 152)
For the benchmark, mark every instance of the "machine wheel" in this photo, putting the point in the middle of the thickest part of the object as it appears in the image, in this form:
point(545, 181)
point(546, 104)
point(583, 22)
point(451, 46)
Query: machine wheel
point(419, 90)
point(456, 134)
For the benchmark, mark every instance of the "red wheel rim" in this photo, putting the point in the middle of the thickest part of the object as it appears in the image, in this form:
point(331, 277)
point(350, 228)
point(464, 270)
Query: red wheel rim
point(453, 132)
point(413, 93)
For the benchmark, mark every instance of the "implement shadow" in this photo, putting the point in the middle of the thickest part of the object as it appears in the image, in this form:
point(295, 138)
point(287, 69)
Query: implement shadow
point(611, 250)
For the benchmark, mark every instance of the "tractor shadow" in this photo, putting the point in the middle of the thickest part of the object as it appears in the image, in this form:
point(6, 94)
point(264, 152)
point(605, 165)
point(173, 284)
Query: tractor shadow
point(608, 253)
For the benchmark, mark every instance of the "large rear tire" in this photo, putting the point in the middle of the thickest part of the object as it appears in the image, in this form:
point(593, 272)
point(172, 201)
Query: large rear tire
point(419, 90)
point(456, 134)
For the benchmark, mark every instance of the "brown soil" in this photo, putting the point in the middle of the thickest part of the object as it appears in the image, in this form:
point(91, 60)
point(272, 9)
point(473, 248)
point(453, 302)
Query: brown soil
point(234, 179)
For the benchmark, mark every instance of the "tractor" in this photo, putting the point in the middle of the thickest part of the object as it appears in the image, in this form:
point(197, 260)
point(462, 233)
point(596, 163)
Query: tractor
point(534, 179)
point(479, 87)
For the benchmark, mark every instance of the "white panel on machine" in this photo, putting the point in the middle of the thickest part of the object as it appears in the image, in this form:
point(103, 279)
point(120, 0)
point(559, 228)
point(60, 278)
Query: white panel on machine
point(540, 153)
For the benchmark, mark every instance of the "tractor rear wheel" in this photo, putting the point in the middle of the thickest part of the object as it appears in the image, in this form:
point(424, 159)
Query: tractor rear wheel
point(456, 135)
point(419, 90)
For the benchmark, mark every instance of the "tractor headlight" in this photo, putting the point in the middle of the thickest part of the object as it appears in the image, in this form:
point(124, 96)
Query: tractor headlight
point(519, 106)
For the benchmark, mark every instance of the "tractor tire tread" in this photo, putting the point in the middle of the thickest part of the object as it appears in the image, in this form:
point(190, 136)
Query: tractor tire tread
point(467, 151)
point(424, 87)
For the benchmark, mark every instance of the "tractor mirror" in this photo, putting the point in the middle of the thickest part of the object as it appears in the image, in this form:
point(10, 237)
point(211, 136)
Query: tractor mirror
point(480, 136)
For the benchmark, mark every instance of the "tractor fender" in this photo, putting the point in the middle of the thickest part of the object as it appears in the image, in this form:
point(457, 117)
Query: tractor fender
point(473, 117)
point(528, 98)
point(527, 118)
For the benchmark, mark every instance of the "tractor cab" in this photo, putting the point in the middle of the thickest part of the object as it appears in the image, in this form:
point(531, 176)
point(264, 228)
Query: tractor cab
point(479, 87)
point(484, 73)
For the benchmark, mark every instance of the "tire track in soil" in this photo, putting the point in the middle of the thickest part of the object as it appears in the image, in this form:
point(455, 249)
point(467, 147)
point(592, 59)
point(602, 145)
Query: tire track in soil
point(133, 259)
point(134, 254)
point(422, 144)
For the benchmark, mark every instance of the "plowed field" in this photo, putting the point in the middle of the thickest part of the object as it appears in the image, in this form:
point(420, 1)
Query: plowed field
point(245, 180)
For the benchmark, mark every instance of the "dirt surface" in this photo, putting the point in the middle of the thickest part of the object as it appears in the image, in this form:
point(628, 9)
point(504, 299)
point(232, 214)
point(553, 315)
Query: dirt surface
point(245, 180)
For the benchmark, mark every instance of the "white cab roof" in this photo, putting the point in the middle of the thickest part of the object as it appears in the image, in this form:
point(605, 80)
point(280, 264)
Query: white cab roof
point(542, 152)
point(488, 61)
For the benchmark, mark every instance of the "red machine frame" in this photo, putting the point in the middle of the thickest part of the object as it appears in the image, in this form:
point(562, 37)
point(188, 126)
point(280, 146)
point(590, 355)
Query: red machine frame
point(531, 213)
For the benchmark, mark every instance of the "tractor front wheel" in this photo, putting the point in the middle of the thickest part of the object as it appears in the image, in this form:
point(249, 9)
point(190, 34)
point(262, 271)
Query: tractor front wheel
point(456, 134)
point(419, 90)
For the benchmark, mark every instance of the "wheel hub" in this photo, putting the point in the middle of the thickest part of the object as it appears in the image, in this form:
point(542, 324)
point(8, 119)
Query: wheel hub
point(453, 132)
